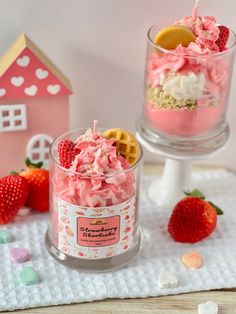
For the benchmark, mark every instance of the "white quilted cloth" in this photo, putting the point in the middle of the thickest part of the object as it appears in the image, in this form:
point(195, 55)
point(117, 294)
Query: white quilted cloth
point(61, 285)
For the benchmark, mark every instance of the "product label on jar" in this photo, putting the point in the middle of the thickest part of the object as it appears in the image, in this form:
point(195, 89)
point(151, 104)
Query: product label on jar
point(94, 233)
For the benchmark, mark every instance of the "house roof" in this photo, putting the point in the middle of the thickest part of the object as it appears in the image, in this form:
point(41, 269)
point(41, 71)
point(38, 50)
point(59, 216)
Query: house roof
point(25, 71)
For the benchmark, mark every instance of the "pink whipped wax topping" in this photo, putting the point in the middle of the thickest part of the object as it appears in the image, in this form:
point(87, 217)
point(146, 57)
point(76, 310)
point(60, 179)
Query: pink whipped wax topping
point(99, 180)
point(206, 31)
point(97, 155)
point(215, 71)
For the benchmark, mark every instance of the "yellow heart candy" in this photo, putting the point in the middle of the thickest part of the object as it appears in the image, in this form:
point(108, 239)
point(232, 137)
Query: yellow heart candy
point(171, 36)
point(192, 259)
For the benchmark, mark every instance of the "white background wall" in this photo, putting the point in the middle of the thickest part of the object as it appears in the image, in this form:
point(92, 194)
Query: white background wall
point(100, 45)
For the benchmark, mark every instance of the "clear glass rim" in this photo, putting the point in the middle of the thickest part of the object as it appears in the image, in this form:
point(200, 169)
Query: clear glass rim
point(197, 56)
point(112, 174)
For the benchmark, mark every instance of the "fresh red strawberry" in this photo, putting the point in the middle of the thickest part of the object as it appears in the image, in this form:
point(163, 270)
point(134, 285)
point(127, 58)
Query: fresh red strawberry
point(67, 152)
point(223, 37)
point(13, 193)
point(38, 181)
point(193, 218)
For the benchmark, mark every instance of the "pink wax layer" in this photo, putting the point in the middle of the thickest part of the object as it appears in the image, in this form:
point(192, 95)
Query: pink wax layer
point(183, 122)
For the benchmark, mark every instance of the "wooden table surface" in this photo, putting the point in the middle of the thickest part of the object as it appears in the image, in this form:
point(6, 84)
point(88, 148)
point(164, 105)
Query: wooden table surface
point(179, 304)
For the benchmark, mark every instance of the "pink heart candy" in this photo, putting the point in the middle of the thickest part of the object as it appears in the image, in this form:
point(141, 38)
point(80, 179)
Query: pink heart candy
point(19, 255)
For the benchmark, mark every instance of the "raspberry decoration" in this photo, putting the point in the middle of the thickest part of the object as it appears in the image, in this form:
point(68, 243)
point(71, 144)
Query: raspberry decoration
point(67, 152)
point(193, 218)
point(223, 37)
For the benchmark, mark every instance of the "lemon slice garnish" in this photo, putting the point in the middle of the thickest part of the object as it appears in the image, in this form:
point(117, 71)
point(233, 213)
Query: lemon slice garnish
point(171, 36)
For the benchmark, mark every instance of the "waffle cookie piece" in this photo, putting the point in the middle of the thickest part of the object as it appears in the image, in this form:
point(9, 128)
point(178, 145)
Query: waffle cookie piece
point(126, 144)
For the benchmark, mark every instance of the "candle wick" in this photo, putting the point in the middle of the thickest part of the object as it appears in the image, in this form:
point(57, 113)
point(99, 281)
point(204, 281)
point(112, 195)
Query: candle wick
point(195, 10)
point(95, 122)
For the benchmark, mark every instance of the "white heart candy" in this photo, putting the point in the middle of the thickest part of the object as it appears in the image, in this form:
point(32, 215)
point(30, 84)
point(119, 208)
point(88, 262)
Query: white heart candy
point(41, 74)
point(23, 62)
point(17, 81)
point(209, 307)
point(167, 280)
point(2, 92)
point(31, 90)
point(53, 89)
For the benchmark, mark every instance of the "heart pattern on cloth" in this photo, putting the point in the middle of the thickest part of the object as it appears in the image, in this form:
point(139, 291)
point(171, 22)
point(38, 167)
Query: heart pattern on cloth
point(23, 62)
point(53, 89)
point(17, 81)
point(41, 74)
point(2, 92)
point(31, 90)
point(167, 280)
point(28, 276)
point(19, 255)
point(209, 307)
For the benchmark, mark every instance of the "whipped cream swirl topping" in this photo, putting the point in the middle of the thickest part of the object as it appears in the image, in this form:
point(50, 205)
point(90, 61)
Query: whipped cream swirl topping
point(183, 86)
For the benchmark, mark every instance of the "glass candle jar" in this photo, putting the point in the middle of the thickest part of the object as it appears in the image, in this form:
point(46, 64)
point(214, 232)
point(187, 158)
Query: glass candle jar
point(93, 219)
point(186, 95)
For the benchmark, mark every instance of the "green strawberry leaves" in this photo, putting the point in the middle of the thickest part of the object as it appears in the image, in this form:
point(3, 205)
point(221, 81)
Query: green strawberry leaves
point(217, 208)
point(13, 172)
point(197, 193)
point(30, 164)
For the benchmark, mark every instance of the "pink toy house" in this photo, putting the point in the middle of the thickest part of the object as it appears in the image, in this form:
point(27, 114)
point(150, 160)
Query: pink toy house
point(34, 105)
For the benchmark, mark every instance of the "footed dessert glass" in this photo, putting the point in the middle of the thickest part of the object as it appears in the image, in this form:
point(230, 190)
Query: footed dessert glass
point(186, 97)
point(93, 219)
point(184, 108)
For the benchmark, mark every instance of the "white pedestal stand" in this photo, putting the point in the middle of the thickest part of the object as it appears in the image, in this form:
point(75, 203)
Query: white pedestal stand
point(177, 176)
